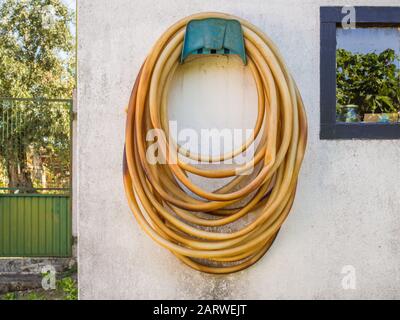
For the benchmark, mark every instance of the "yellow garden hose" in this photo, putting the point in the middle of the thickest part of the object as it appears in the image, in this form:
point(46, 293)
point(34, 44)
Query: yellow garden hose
point(192, 222)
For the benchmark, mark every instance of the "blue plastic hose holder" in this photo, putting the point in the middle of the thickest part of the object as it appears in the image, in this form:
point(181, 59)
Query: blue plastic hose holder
point(214, 36)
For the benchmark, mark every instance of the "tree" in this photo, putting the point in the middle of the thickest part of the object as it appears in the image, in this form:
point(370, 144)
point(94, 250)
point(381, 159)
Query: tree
point(370, 80)
point(37, 60)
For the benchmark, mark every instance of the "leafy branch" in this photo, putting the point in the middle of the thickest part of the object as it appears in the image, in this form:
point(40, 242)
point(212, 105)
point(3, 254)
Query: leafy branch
point(370, 81)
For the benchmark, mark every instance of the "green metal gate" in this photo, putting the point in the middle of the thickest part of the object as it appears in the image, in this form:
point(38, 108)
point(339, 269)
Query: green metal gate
point(35, 177)
point(35, 226)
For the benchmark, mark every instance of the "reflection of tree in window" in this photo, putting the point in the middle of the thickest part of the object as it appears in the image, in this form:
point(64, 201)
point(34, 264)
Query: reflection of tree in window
point(368, 73)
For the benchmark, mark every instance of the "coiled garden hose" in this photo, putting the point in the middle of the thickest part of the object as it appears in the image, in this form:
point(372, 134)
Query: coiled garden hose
point(191, 222)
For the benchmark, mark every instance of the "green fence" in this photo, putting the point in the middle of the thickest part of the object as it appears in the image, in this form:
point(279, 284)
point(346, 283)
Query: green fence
point(35, 226)
point(35, 178)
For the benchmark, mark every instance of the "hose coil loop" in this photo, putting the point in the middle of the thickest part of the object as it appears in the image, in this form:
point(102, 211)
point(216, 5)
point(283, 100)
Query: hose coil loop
point(191, 222)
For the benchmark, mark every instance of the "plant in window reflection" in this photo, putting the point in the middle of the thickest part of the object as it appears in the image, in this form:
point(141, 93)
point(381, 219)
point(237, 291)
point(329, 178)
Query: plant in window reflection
point(370, 81)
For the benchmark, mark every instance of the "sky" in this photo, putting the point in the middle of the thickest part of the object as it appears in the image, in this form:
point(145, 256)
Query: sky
point(364, 40)
point(70, 3)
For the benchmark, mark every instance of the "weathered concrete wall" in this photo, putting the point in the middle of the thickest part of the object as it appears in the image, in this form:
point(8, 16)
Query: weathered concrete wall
point(347, 206)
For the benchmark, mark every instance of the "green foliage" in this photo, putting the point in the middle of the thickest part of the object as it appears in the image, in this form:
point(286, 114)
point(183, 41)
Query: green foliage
point(370, 81)
point(10, 296)
point(36, 49)
point(69, 287)
point(66, 290)
point(37, 60)
point(35, 296)
point(33, 134)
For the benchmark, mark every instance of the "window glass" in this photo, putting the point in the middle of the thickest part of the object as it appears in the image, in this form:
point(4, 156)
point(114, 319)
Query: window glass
point(367, 72)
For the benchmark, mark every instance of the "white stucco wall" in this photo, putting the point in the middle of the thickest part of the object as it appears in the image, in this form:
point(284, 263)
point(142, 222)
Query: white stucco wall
point(347, 206)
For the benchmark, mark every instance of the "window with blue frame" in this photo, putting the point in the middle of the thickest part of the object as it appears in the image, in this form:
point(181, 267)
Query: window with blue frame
point(360, 73)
